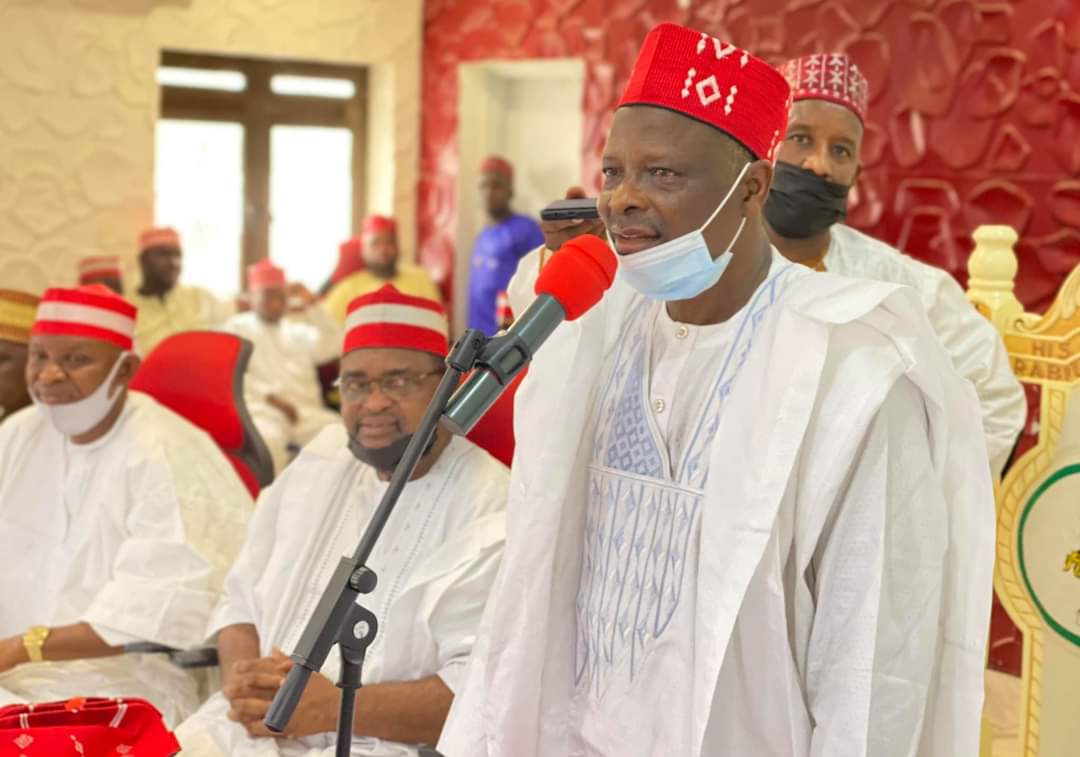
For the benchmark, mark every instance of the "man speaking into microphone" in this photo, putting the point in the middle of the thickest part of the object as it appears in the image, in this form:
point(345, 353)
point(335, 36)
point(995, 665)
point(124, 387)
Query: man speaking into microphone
point(750, 511)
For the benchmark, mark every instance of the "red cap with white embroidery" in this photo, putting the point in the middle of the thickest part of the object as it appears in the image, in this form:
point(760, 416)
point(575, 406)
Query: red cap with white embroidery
point(714, 82)
point(828, 76)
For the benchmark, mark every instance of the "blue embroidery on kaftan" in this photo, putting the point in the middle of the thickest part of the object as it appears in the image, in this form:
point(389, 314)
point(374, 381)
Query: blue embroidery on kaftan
point(640, 518)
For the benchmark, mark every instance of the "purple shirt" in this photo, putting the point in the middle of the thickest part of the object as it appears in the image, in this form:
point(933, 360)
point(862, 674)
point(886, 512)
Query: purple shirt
point(495, 256)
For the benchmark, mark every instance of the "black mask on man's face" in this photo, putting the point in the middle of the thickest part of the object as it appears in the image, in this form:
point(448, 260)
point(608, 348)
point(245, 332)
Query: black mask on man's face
point(385, 459)
point(802, 204)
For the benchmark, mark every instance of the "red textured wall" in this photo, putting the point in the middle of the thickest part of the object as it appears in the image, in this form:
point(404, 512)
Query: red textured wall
point(974, 118)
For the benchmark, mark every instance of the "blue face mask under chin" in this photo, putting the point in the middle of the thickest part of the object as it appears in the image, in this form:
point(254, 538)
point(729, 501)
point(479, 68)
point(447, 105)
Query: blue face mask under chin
point(681, 268)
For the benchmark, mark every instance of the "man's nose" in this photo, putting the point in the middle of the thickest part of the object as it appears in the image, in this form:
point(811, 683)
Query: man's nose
point(377, 400)
point(50, 373)
point(818, 162)
point(626, 197)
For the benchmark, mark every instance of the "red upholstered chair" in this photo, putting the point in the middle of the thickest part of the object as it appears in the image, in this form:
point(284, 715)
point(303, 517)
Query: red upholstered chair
point(199, 375)
point(494, 432)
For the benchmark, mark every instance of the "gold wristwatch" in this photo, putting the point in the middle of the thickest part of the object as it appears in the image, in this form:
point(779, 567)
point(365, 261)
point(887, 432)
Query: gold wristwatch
point(34, 641)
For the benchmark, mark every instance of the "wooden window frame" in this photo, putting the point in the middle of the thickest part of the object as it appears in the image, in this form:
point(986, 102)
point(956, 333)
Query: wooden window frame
point(258, 109)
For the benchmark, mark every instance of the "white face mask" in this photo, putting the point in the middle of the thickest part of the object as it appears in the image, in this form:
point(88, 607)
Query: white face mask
point(680, 268)
point(78, 417)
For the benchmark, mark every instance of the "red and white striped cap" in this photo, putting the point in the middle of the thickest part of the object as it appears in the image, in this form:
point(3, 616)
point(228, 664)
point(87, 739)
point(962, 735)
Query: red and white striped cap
point(503, 312)
point(97, 267)
point(163, 236)
point(90, 312)
point(389, 319)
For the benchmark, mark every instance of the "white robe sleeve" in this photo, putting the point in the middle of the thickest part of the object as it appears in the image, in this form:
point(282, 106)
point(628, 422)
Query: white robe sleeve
point(216, 311)
point(978, 353)
point(327, 345)
point(876, 579)
point(258, 379)
point(239, 602)
point(521, 289)
point(161, 586)
point(456, 618)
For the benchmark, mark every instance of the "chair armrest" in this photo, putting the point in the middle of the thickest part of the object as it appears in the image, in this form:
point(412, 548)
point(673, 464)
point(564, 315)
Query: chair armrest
point(205, 657)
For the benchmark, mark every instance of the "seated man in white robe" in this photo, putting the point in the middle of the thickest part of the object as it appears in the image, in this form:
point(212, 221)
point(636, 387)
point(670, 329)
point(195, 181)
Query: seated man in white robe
point(166, 306)
point(282, 385)
point(118, 518)
point(750, 509)
point(818, 164)
point(435, 561)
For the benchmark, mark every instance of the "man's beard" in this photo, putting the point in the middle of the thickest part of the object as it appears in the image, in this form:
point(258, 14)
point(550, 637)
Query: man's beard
point(384, 459)
point(383, 270)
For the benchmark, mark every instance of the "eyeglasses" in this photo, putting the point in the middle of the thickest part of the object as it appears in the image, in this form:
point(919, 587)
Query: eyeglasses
point(396, 386)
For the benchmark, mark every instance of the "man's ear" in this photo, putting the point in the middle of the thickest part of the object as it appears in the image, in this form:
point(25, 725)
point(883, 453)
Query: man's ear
point(757, 183)
point(128, 369)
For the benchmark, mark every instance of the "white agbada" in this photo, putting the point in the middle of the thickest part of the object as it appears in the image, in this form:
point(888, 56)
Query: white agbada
point(285, 363)
point(436, 561)
point(973, 344)
point(133, 534)
point(184, 308)
point(796, 562)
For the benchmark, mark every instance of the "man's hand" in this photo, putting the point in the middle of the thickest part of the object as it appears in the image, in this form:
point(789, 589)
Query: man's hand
point(298, 291)
point(255, 679)
point(12, 653)
point(250, 688)
point(287, 408)
point(317, 711)
point(558, 233)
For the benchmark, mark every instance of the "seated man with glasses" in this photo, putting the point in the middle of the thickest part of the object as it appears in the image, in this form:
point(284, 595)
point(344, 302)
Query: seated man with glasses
point(435, 560)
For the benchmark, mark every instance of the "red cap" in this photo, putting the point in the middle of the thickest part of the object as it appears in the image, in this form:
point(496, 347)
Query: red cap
point(714, 82)
point(97, 267)
point(828, 76)
point(265, 275)
point(375, 223)
point(578, 274)
point(499, 165)
point(389, 319)
point(91, 312)
point(163, 236)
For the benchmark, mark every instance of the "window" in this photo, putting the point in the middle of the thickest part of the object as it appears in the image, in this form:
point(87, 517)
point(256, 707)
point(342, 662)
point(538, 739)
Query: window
point(199, 78)
point(258, 158)
point(310, 191)
point(199, 185)
point(312, 86)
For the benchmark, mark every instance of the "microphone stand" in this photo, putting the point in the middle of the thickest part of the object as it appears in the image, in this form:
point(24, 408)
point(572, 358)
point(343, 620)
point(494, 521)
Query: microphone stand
point(338, 618)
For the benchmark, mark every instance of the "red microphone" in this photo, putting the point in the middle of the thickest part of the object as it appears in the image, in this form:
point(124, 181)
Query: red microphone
point(572, 282)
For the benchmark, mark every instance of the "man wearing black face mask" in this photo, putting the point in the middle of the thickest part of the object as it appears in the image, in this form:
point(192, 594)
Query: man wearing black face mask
point(818, 163)
point(436, 559)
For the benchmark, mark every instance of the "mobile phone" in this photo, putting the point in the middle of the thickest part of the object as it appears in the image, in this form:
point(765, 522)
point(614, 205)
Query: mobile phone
point(568, 210)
